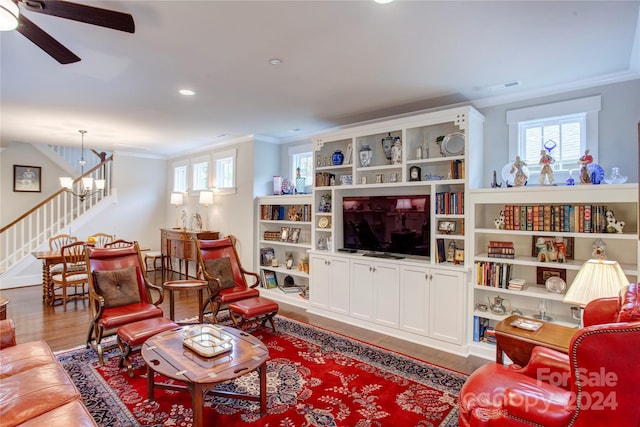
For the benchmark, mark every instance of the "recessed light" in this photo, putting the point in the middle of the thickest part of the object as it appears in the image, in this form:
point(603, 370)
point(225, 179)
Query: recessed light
point(275, 61)
point(187, 92)
point(383, 1)
point(505, 85)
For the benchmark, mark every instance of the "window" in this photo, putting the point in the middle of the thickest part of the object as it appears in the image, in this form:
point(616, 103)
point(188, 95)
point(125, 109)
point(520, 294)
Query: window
point(225, 164)
point(563, 137)
point(570, 127)
point(179, 178)
point(200, 172)
point(302, 158)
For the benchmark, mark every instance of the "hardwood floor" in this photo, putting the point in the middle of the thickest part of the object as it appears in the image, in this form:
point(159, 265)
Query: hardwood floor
point(63, 330)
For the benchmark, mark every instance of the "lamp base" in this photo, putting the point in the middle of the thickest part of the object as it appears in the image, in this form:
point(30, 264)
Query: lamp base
point(543, 317)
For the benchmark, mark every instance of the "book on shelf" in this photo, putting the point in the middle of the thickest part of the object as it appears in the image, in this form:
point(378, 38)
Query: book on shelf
point(559, 218)
point(269, 279)
point(516, 284)
point(266, 256)
point(290, 289)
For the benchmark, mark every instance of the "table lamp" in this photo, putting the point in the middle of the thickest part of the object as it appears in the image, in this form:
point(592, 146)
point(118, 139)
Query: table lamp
point(206, 199)
point(597, 278)
point(177, 200)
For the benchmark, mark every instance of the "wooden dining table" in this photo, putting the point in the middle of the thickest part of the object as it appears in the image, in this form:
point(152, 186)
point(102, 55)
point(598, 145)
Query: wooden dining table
point(48, 258)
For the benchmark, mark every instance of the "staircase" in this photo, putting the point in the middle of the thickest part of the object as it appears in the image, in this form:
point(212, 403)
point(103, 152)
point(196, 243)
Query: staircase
point(52, 216)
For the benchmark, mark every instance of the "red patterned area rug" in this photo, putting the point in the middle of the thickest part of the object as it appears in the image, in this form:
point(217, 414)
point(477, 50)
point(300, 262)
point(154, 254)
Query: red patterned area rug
point(314, 378)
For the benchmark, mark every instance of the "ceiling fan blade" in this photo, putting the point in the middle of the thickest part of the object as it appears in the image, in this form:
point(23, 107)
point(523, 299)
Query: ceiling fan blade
point(82, 13)
point(45, 42)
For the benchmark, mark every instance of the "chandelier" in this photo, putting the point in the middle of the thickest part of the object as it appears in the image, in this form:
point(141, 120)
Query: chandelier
point(86, 182)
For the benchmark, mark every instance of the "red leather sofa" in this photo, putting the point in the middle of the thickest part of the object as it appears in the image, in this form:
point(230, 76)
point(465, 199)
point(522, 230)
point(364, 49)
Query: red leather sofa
point(35, 390)
point(594, 385)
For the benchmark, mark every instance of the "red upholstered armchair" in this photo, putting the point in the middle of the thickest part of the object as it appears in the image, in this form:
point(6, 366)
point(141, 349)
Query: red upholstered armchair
point(220, 266)
point(119, 292)
point(594, 385)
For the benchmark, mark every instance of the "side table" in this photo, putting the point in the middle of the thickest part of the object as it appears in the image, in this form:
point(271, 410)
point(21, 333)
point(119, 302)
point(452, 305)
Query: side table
point(185, 285)
point(518, 343)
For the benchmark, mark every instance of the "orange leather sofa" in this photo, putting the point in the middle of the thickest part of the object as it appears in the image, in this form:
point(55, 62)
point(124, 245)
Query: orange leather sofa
point(35, 390)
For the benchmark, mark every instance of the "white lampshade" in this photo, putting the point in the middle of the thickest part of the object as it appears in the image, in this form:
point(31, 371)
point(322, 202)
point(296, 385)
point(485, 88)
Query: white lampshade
point(403, 204)
point(66, 182)
point(176, 199)
point(206, 198)
point(597, 278)
point(87, 183)
point(100, 184)
point(9, 14)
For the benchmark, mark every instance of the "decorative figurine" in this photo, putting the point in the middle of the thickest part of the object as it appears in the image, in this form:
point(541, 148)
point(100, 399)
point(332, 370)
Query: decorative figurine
point(494, 182)
point(183, 219)
point(561, 249)
point(499, 222)
point(584, 162)
point(546, 173)
point(543, 250)
point(517, 167)
point(613, 225)
point(599, 249)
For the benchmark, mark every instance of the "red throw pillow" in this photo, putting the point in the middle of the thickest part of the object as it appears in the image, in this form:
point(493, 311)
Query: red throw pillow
point(629, 307)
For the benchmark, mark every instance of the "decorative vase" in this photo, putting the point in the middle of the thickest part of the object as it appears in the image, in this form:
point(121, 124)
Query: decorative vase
point(337, 157)
point(365, 156)
point(396, 151)
point(387, 143)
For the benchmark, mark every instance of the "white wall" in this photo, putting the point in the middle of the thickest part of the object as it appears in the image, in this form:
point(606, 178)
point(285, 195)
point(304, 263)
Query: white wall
point(15, 204)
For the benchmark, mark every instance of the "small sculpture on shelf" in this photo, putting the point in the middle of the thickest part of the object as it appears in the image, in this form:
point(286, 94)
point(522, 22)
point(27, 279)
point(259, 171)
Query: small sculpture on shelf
point(560, 249)
point(599, 249)
point(542, 249)
point(546, 173)
point(494, 182)
point(521, 177)
point(584, 162)
point(613, 225)
point(289, 261)
point(499, 222)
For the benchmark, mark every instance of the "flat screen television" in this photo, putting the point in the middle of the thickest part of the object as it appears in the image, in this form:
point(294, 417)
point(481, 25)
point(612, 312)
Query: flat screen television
point(387, 224)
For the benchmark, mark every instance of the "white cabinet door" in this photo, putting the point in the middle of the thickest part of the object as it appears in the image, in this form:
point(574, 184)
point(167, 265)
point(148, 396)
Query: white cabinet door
point(361, 306)
point(320, 278)
point(386, 294)
point(414, 299)
point(339, 285)
point(446, 306)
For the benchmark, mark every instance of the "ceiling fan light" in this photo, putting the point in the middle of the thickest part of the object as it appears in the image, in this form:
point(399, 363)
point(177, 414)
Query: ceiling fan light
point(9, 14)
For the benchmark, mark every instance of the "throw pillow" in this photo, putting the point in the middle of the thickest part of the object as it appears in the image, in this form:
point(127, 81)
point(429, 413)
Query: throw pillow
point(117, 287)
point(220, 268)
point(630, 307)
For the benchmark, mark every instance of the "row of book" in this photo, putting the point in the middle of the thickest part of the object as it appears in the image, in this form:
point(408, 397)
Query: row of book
point(482, 332)
point(456, 169)
point(561, 218)
point(325, 179)
point(497, 249)
point(495, 274)
point(450, 203)
point(284, 213)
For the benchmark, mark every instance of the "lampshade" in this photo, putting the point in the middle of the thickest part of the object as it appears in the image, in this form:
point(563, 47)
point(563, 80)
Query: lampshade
point(176, 199)
point(87, 183)
point(597, 278)
point(66, 182)
point(9, 14)
point(403, 204)
point(206, 198)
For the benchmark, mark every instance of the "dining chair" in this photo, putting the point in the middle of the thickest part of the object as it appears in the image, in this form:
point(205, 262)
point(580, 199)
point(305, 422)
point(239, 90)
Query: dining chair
point(101, 239)
point(119, 243)
point(73, 274)
point(55, 244)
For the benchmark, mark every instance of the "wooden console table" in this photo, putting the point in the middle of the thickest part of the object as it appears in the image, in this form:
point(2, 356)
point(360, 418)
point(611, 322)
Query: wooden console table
point(179, 244)
point(518, 343)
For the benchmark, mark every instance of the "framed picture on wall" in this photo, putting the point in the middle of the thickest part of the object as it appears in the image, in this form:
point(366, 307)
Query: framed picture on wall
point(27, 179)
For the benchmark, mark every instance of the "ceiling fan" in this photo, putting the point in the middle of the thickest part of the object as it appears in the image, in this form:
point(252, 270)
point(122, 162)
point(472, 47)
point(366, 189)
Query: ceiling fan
point(76, 12)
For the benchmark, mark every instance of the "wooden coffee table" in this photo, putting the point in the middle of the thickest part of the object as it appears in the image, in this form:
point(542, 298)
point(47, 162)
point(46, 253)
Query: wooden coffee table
point(518, 343)
point(165, 354)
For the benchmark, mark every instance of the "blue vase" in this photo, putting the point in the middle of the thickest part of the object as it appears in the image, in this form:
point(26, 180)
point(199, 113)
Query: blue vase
point(337, 157)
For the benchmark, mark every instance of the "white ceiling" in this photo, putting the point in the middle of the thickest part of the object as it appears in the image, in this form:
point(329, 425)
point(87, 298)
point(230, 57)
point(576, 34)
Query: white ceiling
point(342, 62)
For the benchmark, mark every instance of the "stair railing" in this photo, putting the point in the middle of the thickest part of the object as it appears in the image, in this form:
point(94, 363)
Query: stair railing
point(50, 217)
